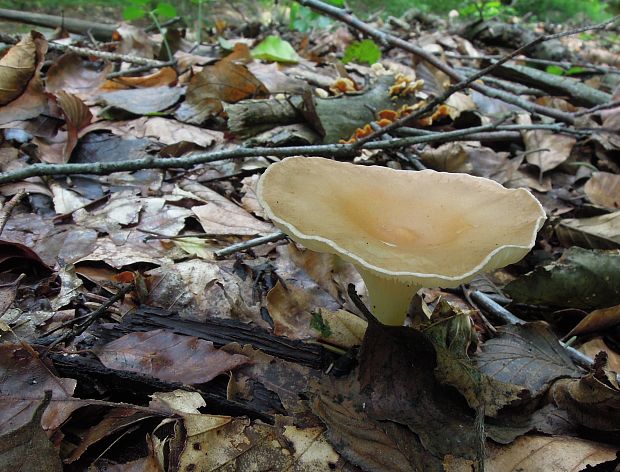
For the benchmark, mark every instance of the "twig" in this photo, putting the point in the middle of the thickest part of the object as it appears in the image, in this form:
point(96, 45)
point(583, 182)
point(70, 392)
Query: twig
point(89, 319)
point(110, 56)
point(603, 106)
point(5, 212)
point(270, 238)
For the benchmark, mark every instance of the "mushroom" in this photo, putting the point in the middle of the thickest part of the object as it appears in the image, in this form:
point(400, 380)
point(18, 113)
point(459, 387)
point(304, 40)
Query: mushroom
point(403, 230)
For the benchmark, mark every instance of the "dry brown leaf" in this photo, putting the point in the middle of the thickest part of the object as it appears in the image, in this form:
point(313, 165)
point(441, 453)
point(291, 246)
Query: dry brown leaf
point(603, 189)
point(23, 381)
point(224, 81)
point(74, 74)
point(77, 116)
point(166, 76)
point(142, 101)
point(596, 345)
point(545, 149)
point(539, 454)
point(19, 64)
point(345, 329)
point(220, 216)
point(592, 401)
point(168, 356)
point(597, 320)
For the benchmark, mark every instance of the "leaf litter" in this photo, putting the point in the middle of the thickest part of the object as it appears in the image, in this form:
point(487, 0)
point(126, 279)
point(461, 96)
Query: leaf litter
point(263, 358)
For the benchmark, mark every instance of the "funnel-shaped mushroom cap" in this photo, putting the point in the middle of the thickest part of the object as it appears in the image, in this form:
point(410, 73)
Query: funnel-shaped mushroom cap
point(402, 229)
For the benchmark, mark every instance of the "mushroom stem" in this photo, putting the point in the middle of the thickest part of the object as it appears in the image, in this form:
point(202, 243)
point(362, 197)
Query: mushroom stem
point(389, 297)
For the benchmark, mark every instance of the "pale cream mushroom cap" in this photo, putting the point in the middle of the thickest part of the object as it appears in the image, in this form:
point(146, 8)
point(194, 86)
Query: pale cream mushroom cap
point(403, 230)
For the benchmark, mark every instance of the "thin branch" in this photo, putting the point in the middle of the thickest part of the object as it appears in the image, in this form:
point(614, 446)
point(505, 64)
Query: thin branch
point(325, 150)
point(5, 212)
point(270, 238)
point(110, 56)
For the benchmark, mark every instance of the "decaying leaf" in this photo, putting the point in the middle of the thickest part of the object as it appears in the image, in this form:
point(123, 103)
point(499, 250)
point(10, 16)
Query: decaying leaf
point(603, 189)
point(581, 278)
point(168, 356)
point(27, 447)
point(529, 355)
point(545, 149)
point(596, 232)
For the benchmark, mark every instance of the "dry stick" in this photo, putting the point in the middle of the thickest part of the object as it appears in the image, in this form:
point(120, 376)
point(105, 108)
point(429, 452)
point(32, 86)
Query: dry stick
point(270, 238)
point(327, 150)
point(89, 319)
point(110, 56)
point(603, 106)
point(7, 209)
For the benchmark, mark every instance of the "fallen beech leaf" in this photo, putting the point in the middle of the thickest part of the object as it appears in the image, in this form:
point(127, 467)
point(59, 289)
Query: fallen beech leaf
point(168, 356)
point(596, 232)
point(221, 216)
point(23, 382)
point(143, 101)
point(73, 74)
point(533, 453)
point(345, 329)
point(603, 189)
point(592, 401)
point(224, 81)
point(545, 149)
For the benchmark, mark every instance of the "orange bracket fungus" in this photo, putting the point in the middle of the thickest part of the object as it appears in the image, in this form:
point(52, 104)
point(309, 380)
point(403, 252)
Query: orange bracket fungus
point(403, 230)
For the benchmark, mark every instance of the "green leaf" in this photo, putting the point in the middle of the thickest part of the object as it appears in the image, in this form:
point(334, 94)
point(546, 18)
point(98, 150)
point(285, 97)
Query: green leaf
point(274, 48)
point(133, 12)
point(555, 70)
point(575, 70)
point(318, 323)
point(362, 51)
point(166, 10)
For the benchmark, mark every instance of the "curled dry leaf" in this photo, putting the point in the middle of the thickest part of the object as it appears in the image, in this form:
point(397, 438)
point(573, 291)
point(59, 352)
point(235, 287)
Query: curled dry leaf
point(224, 81)
point(597, 320)
point(596, 232)
point(73, 74)
point(18, 66)
point(77, 116)
point(166, 76)
point(545, 149)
